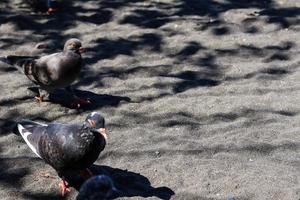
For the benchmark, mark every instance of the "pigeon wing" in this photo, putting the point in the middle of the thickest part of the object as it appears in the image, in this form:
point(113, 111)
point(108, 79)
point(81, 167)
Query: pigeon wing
point(31, 133)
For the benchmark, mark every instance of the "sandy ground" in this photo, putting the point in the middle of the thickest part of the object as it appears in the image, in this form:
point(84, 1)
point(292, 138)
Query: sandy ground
point(201, 97)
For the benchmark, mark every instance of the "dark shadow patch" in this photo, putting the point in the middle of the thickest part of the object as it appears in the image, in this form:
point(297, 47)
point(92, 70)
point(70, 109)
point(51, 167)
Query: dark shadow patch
point(221, 31)
point(190, 49)
point(41, 196)
point(132, 184)
point(10, 176)
point(108, 49)
point(275, 71)
point(186, 85)
point(8, 69)
point(146, 18)
point(278, 56)
point(97, 100)
point(191, 79)
point(284, 17)
point(99, 18)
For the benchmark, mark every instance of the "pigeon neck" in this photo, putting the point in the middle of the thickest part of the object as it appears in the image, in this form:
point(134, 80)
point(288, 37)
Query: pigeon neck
point(66, 51)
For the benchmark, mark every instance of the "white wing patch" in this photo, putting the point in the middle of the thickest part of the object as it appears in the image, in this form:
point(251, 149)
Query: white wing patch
point(39, 123)
point(35, 123)
point(93, 113)
point(25, 134)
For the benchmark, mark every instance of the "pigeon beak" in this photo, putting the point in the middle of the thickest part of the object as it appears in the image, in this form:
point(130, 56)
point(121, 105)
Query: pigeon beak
point(103, 132)
point(81, 50)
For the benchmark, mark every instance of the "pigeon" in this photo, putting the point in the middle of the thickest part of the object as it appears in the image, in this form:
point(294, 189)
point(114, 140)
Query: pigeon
point(99, 187)
point(67, 148)
point(50, 72)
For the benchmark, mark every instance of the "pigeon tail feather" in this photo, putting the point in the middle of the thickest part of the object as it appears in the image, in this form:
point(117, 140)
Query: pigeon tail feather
point(19, 61)
point(25, 133)
point(4, 59)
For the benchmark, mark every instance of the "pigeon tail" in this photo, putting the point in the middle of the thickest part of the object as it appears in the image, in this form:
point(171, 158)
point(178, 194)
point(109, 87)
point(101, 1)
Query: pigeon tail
point(25, 133)
point(19, 61)
point(25, 64)
point(3, 59)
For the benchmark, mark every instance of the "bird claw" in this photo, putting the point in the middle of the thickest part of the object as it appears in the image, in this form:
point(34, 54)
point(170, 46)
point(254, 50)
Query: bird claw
point(77, 103)
point(39, 99)
point(51, 10)
point(64, 188)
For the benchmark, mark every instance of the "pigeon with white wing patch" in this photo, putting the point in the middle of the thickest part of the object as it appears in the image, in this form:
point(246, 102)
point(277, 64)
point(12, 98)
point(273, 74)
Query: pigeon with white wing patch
point(66, 147)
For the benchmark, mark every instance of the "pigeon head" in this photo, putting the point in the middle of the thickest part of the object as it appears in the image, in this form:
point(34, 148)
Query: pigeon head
point(74, 45)
point(96, 188)
point(97, 122)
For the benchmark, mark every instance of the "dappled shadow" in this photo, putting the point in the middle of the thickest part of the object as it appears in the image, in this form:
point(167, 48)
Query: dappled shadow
point(13, 172)
point(49, 27)
point(284, 17)
point(263, 149)
point(272, 74)
point(192, 79)
point(208, 16)
point(107, 49)
point(8, 122)
point(165, 56)
point(146, 18)
point(41, 196)
point(157, 14)
point(185, 119)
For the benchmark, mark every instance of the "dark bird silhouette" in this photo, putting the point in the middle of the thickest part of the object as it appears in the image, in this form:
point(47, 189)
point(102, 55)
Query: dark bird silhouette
point(99, 187)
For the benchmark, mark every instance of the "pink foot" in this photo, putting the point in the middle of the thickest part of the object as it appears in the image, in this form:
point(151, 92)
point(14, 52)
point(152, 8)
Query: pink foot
point(51, 10)
point(39, 99)
point(64, 188)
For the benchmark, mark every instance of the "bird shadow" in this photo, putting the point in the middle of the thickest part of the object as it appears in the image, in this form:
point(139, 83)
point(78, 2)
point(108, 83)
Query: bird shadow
point(133, 184)
point(129, 184)
point(96, 100)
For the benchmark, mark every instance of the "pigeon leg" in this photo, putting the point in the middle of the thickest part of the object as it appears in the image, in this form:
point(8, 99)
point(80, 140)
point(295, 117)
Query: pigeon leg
point(39, 99)
point(50, 8)
point(77, 102)
point(42, 96)
point(64, 187)
point(86, 173)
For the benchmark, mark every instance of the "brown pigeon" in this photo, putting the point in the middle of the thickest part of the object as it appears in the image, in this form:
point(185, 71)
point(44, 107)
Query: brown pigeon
point(50, 72)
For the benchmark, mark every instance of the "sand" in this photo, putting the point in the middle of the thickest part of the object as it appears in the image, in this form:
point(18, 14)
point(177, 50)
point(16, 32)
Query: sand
point(201, 98)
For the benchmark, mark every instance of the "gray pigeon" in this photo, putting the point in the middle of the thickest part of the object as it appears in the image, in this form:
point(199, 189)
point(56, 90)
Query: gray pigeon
point(50, 72)
point(67, 147)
